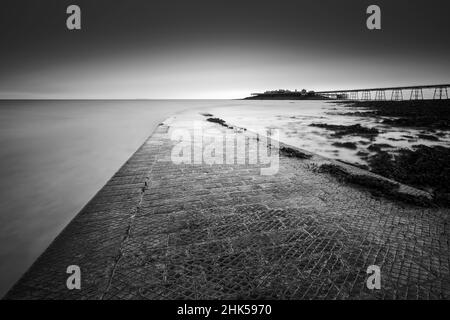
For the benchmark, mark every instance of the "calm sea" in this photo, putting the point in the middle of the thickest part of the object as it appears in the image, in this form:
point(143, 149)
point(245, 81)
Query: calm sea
point(55, 155)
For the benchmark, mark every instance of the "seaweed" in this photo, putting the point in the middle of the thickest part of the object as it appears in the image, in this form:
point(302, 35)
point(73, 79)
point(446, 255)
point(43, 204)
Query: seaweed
point(424, 167)
point(219, 121)
point(428, 137)
point(424, 113)
point(341, 130)
point(294, 153)
point(378, 146)
point(376, 186)
point(348, 145)
point(358, 165)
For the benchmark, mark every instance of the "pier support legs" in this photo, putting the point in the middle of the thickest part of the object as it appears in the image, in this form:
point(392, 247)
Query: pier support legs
point(416, 94)
point(397, 94)
point(440, 93)
point(366, 95)
point(354, 95)
point(342, 96)
point(380, 95)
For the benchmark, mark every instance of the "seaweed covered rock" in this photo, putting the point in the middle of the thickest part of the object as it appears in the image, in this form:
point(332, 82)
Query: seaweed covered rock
point(341, 130)
point(424, 167)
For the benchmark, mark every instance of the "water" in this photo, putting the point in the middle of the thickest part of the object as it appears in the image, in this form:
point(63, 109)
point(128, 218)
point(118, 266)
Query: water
point(55, 155)
point(293, 119)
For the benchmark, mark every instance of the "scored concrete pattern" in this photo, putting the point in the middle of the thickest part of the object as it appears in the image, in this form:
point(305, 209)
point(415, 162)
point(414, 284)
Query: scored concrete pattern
point(159, 230)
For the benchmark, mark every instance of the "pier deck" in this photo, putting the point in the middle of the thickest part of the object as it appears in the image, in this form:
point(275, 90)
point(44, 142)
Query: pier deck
point(158, 230)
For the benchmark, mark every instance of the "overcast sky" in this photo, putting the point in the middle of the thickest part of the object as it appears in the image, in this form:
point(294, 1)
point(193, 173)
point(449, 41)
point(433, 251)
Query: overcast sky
point(217, 49)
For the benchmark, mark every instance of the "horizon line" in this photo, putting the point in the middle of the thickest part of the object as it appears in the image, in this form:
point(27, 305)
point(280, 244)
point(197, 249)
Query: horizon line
point(111, 99)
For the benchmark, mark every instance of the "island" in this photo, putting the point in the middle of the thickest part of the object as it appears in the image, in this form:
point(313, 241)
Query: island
point(283, 94)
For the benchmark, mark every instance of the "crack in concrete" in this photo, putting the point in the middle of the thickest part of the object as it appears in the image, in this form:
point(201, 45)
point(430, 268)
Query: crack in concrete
point(130, 224)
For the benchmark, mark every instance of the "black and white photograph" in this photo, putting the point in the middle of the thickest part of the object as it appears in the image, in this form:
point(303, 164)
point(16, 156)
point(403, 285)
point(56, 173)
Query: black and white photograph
point(205, 150)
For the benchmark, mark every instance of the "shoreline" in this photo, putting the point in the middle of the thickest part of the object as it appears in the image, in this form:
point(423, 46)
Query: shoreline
point(381, 136)
point(423, 166)
point(116, 229)
point(56, 155)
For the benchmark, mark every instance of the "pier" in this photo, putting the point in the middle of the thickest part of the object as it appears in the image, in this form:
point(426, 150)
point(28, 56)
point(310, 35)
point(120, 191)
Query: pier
point(440, 91)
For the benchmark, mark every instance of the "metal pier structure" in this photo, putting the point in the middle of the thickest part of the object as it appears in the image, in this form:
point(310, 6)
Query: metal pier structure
point(440, 91)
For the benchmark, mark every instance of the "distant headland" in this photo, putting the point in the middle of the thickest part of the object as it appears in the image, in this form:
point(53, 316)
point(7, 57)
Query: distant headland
point(435, 92)
point(283, 94)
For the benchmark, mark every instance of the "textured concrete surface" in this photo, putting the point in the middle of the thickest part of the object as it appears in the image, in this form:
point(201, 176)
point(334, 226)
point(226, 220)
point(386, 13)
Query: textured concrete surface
point(159, 230)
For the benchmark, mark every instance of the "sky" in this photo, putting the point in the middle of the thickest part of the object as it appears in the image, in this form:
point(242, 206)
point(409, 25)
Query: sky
point(211, 49)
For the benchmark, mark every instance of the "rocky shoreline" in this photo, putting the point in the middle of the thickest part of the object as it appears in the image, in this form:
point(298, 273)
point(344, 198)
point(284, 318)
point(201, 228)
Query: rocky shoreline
point(161, 230)
point(425, 167)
